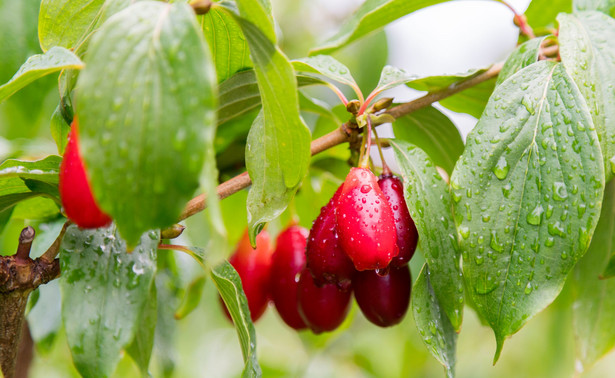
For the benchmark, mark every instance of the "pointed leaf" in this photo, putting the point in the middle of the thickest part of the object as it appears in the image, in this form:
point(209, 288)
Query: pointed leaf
point(284, 137)
point(327, 66)
point(589, 57)
point(143, 343)
point(524, 55)
point(391, 77)
point(594, 303)
point(527, 190)
point(104, 292)
point(59, 130)
point(434, 326)
point(609, 271)
point(40, 65)
point(429, 203)
point(269, 195)
point(146, 106)
point(228, 45)
point(227, 281)
point(192, 297)
point(371, 16)
point(434, 133)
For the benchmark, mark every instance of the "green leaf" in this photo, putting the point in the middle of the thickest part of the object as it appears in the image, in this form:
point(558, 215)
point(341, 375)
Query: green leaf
point(227, 43)
point(541, 13)
point(65, 22)
point(589, 57)
point(23, 180)
point(146, 111)
point(527, 190)
point(227, 281)
point(604, 6)
point(192, 297)
point(429, 203)
point(434, 326)
point(284, 139)
point(594, 303)
point(524, 55)
point(391, 77)
point(143, 343)
point(269, 195)
point(434, 133)
point(371, 16)
point(327, 66)
point(609, 271)
point(59, 130)
point(104, 291)
point(239, 94)
point(471, 101)
point(37, 66)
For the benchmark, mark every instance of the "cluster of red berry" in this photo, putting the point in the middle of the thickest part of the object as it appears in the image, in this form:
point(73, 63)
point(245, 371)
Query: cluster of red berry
point(362, 241)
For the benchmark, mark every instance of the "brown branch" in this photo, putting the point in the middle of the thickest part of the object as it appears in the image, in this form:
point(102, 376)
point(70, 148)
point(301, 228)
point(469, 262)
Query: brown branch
point(338, 136)
point(51, 253)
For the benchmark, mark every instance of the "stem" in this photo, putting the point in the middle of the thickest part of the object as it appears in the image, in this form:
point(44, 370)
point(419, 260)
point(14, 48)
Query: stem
point(520, 20)
point(338, 92)
point(339, 136)
point(52, 252)
point(25, 244)
point(362, 151)
point(385, 167)
point(364, 162)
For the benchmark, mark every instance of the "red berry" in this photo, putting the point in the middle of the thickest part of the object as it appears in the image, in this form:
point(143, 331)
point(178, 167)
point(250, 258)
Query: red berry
point(324, 308)
point(288, 262)
point(77, 199)
point(366, 225)
point(383, 300)
point(325, 258)
point(254, 267)
point(407, 235)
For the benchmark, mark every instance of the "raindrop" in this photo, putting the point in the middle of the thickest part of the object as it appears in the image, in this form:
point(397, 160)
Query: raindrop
point(501, 168)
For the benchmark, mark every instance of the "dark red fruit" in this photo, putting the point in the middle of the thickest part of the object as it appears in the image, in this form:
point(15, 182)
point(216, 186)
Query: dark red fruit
point(254, 268)
point(77, 199)
point(325, 258)
point(366, 225)
point(407, 235)
point(324, 308)
point(288, 262)
point(383, 300)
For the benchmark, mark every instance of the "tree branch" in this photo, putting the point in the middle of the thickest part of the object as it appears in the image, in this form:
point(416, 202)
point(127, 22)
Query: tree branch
point(339, 136)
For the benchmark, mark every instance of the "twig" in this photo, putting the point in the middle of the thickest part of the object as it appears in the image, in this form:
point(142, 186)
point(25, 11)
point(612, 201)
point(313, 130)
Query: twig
point(339, 136)
point(51, 253)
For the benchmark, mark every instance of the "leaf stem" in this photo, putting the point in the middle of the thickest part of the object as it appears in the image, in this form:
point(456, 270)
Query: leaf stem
point(339, 136)
point(520, 20)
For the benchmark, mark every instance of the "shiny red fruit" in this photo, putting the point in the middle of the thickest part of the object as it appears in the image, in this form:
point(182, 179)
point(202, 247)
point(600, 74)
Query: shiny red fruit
point(324, 308)
point(366, 225)
point(75, 192)
point(288, 262)
point(407, 235)
point(326, 260)
point(383, 300)
point(254, 268)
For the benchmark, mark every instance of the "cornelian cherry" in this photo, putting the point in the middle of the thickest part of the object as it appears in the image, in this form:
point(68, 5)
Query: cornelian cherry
point(75, 192)
point(407, 235)
point(366, 225)
point(324, 308)
point(288, 262)
point(254, 268)
point(383, 300)
point(325, 258)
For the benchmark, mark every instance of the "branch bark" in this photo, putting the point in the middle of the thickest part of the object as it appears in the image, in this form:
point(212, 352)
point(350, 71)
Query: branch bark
point(339, 136)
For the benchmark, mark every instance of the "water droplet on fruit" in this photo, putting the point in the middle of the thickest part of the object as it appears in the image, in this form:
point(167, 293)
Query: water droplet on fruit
point(365, 188)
